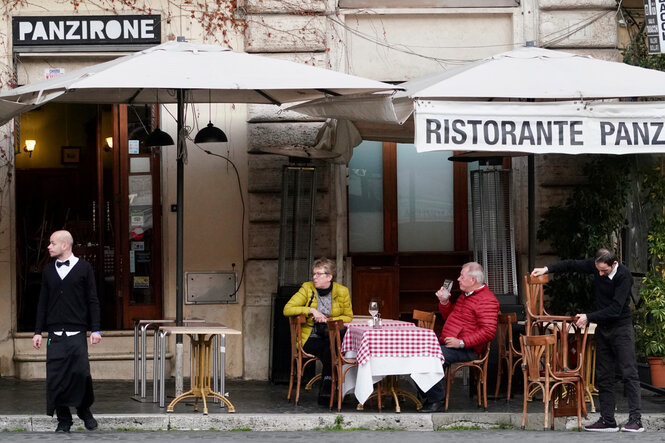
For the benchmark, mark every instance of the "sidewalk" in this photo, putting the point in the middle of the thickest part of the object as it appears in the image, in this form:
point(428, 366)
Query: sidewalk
point(262, 406)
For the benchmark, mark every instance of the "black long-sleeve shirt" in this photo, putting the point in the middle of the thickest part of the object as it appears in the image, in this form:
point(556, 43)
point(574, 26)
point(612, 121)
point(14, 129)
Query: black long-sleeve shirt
point(68, 304)
point(612, 297)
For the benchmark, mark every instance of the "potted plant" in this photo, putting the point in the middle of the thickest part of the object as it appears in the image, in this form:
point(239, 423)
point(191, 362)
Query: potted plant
point(651, 314)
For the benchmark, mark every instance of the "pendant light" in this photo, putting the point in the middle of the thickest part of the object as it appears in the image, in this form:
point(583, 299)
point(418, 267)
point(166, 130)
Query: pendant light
point(158, 137)
point(210, 134)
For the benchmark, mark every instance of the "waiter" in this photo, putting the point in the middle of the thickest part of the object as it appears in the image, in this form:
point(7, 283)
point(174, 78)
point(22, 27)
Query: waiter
point(68, 307)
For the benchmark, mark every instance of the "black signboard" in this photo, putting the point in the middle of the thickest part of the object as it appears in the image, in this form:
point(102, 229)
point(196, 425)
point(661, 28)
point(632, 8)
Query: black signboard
point(652, 28)
point(82, 30)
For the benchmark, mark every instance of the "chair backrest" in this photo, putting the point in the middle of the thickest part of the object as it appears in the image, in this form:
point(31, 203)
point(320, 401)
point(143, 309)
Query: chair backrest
point(295, 327)
point(424, 319)
point(535, 299)
point(571, 343)
point(537, 355)
point(504, 331)
point(334, 327)
point(483, 358)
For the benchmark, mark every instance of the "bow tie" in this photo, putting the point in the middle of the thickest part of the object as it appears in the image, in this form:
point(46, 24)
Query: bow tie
point(60, 263)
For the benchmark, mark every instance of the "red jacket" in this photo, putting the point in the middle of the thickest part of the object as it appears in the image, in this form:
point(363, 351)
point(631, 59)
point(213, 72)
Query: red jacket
point(472, 318)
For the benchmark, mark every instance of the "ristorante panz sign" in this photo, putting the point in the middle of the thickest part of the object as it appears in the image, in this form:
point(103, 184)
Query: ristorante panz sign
point(77, 30)
point(557, 127)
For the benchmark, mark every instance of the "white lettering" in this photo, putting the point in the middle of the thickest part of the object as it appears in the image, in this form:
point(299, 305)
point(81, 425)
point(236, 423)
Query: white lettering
point(113, 29)
point(56, 30)
point(131, 29)
point(147, 29)
point(73, 27)
point(40, 32)
point(24, 28)
point(97, 29)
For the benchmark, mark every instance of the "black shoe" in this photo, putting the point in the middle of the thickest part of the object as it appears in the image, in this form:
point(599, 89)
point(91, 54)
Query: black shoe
point(601, 426)
point(63, 426)
point(436, 406)
point(88, 420)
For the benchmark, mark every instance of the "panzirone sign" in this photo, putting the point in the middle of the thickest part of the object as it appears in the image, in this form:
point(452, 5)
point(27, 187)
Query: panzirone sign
point(543, 128)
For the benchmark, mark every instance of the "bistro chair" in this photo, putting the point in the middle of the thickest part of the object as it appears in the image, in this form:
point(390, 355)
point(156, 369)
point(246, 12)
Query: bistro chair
point(340, 364)
point(539, 370)
point(299, 358)
point(424, 319)
point(480, 368)
point(535, 302)
point(506, 352)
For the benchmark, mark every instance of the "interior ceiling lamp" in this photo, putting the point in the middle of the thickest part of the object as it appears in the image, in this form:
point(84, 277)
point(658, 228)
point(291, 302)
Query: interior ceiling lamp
point(210, 134)
point(109, 144)
point(29, 146)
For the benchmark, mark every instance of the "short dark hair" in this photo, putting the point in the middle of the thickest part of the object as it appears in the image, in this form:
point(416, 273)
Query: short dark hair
point(605, 256)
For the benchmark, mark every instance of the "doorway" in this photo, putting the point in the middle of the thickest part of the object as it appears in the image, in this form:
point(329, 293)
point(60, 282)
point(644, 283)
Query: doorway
point(79, 178)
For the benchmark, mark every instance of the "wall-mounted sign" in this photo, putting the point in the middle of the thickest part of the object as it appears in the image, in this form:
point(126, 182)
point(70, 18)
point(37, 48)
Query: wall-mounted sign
point(81, 30)
point(654, 18)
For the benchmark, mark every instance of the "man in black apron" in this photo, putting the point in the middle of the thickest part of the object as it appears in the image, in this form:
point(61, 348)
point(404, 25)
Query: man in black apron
point(68, 307)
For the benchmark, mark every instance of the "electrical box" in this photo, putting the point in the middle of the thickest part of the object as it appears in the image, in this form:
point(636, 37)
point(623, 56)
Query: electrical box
point(212, 287)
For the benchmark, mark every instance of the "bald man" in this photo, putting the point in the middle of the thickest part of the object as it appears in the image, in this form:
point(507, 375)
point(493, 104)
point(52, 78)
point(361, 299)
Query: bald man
point(68, 307)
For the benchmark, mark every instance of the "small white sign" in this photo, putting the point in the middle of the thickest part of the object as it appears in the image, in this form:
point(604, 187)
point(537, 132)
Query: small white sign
point(133, 146)
point(137, 219)
point(138, 246)
point(49, 73)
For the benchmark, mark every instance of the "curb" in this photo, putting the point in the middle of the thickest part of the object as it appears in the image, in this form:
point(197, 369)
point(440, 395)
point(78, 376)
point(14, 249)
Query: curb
point(309, 422)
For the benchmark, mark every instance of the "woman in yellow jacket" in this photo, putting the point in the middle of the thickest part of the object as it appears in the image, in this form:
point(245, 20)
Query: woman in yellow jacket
point(321, 300)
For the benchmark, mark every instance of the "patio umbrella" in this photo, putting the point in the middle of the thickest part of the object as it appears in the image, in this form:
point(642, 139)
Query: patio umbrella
point(526, 74)
point(180, 72)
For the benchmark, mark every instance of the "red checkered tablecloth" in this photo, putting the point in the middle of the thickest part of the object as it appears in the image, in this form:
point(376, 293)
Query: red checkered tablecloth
point(391, 341)
point(386, 323)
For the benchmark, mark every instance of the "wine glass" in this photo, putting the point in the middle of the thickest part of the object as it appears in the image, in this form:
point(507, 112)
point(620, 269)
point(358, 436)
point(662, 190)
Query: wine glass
point(373, 308)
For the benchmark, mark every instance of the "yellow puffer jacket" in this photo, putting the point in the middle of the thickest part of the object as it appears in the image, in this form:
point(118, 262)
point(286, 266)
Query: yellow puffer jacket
point(341, 305)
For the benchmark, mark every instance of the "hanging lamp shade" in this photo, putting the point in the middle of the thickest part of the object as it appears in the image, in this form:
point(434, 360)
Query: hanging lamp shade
point(210, 134)
point(159, 138)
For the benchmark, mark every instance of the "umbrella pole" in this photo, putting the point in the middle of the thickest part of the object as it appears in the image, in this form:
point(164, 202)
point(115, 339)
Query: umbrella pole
point(180, 181)
point(531, 211)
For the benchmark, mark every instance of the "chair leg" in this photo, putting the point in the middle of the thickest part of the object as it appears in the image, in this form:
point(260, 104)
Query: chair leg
point(298, 378)
point(288, 396)
point(448, 375)
point(314, 379)
point(525, 401)
point(499, 372)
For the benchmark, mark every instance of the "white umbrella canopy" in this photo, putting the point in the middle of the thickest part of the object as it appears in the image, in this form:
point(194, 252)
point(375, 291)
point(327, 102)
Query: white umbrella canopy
point(180, 72)
point(207, 72)
point(524, 73)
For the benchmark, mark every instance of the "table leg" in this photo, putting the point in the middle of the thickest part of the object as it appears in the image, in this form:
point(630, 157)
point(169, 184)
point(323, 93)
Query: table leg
point(136, 357)
point(144, 339)
point(162, 363)
point(155, 366)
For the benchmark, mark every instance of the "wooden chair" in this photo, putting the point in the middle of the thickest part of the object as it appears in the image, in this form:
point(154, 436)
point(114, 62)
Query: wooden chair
point(535, 300)
point(539, 369)
point(480, 367)
point(424, 319)
point(506, 352)
point(340, 364)
point(299, 358)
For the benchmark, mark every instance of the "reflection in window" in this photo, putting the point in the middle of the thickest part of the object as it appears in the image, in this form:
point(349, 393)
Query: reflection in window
point(424, 200)
point(366, 198)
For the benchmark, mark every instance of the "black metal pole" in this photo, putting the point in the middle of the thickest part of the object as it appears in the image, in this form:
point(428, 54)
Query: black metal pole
point(180, 182)
point(532, 211)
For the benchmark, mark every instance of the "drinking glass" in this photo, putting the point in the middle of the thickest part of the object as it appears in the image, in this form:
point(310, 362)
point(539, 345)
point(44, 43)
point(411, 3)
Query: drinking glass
point(373, 308)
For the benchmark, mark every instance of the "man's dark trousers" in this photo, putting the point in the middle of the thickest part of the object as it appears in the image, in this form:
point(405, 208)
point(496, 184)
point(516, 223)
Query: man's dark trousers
point(437, 393)
point(615, 346)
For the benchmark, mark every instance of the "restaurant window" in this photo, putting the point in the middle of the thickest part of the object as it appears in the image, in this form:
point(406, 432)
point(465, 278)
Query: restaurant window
point(424, 199)
point(366, 198)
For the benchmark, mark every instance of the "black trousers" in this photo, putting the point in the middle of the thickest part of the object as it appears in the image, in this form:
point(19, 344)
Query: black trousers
point(320, 347)
point(615, 347)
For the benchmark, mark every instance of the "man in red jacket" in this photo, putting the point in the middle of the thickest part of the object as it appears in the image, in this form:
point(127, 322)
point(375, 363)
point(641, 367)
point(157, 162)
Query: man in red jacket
point(470, 322)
